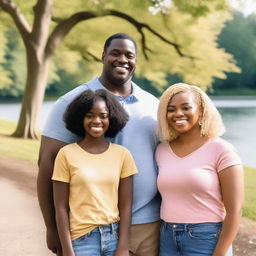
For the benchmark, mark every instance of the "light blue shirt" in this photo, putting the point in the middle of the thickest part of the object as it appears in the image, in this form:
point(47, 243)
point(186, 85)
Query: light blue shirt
point(139, 136)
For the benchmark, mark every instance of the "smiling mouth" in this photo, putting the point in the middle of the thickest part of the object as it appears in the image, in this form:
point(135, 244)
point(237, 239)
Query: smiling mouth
point(122, 69)
point(96, 128)
point(181, 121)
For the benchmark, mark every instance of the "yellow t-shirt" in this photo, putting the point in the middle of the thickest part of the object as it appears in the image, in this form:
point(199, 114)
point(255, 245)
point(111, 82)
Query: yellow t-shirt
point(94, 181)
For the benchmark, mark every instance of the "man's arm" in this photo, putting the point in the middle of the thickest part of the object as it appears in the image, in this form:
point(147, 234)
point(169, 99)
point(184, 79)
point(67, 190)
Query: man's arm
point(48, 151)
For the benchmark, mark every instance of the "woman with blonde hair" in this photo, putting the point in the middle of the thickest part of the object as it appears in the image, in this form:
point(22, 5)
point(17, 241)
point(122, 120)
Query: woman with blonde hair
point(200, 176)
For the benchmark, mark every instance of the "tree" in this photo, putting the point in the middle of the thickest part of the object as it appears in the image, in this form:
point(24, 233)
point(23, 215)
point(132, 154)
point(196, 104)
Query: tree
point(238, 38)
point(44, 26)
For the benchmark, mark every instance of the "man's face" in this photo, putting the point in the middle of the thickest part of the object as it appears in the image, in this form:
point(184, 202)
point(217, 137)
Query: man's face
point(119, 61)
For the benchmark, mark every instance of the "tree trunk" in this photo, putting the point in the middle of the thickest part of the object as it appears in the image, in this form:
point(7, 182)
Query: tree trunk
point(37, 74)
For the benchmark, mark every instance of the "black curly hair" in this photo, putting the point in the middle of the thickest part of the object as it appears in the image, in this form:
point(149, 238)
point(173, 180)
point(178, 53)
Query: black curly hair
point(83, 103)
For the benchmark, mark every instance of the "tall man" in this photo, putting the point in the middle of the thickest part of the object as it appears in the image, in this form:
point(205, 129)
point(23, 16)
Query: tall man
point(119, 63)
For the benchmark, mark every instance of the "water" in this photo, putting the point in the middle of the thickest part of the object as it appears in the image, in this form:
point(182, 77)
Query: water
point(239, 116)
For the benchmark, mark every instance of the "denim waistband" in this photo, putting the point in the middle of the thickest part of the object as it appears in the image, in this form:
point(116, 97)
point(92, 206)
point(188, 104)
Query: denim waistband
point(187, 226)
point(113, 227)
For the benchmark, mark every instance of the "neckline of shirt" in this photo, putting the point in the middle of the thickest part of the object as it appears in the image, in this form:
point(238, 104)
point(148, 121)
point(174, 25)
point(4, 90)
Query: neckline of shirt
point(91, 154)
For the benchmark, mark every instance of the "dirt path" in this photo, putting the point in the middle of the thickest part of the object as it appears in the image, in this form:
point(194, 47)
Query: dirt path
point(22, 229)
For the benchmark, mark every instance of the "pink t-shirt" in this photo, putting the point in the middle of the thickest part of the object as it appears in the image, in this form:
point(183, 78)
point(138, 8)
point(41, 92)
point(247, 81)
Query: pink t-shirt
point(189, 185)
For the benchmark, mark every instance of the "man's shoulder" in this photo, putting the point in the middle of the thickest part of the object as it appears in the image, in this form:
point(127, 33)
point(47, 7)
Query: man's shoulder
point(80, 88)
point(144, 95)
point(74, 92)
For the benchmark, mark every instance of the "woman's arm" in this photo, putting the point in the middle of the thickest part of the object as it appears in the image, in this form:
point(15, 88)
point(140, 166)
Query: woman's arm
point(125, 209)
point(232, 187)
point(61, 203)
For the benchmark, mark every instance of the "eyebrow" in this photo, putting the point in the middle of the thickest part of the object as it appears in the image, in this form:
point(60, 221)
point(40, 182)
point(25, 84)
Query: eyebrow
point(118, 50)
point(107, 112)
point(185, 103)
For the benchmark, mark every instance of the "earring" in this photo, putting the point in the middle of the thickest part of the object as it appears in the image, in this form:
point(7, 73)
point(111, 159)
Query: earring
point(200, 123)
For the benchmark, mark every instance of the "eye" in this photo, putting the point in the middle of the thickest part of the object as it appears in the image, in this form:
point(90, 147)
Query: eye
point(114, 53)
point(187, 108)
point(170, 110)
point(104, 116)
point(130, 56)
point(88, 115)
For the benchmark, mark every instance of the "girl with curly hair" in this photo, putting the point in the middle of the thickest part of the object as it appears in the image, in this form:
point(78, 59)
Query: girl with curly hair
point(92, 179)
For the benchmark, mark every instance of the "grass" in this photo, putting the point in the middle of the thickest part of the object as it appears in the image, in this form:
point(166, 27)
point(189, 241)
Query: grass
point(16, 147)
point(250, 193)
point(28, 150)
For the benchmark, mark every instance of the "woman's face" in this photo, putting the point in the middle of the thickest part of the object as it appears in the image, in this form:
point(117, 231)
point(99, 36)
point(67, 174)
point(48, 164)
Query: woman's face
point(96, 121)
point(183, 113)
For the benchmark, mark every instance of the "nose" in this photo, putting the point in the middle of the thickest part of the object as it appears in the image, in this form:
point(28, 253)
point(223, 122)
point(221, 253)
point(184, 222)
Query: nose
point(179, 112)
point(96, 119)
point(122, 58)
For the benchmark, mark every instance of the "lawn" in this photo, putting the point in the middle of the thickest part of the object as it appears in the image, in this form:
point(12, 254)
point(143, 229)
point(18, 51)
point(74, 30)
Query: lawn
point(16, 147)
point(28, 150)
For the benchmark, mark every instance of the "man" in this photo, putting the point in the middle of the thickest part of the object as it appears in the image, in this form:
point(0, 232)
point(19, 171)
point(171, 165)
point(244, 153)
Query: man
point(119, 63)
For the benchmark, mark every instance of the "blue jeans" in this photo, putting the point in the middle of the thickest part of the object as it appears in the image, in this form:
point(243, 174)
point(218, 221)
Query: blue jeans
point(189, 239)
point(101, 241)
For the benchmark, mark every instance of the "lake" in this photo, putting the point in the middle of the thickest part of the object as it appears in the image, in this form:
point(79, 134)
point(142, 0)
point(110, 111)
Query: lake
point(239, 116)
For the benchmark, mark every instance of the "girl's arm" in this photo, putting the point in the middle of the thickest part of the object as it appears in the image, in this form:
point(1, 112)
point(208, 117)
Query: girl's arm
point(232, 187)
point(125, 209)
point(61, 203)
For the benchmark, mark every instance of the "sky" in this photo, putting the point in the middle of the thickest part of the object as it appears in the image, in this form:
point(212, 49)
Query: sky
point(247, 7)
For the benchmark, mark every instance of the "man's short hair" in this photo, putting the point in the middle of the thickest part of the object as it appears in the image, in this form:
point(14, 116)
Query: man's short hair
point(119, 36)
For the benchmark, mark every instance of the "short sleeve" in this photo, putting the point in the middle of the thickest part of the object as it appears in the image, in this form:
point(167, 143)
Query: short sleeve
point(227, 156)
point(61, 171)
point(55, 126)
point(129, 167)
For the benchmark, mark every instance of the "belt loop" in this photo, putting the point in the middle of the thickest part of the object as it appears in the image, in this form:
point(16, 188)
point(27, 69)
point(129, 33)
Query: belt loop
point(166, 224)
point(112, 228)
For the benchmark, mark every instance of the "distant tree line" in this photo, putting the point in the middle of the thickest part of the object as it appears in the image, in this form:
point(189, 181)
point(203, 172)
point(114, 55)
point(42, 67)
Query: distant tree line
point(238, 37)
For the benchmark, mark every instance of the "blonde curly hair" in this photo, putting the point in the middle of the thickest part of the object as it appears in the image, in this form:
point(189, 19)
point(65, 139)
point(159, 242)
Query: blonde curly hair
point(211, 121)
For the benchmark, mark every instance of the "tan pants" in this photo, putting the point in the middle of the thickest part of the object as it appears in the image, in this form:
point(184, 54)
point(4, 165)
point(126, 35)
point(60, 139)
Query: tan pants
point(144, 239)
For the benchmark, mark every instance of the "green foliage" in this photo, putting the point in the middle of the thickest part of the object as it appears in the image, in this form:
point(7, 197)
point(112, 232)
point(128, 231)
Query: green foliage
point(239, 39)
point(193, 25)
point(197, 38)
point(14, 64)
point(200, 7)
point(4, 73)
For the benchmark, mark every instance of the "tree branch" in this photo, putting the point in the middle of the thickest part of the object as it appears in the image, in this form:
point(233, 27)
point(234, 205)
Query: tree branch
point(140, 27)
point(64, 26)
point(19, 19)
point(42, 19)
point(93, 57)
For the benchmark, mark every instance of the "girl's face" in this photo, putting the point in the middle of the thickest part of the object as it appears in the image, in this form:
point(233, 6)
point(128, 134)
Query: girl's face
point(96, 121)
point(183, 113)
